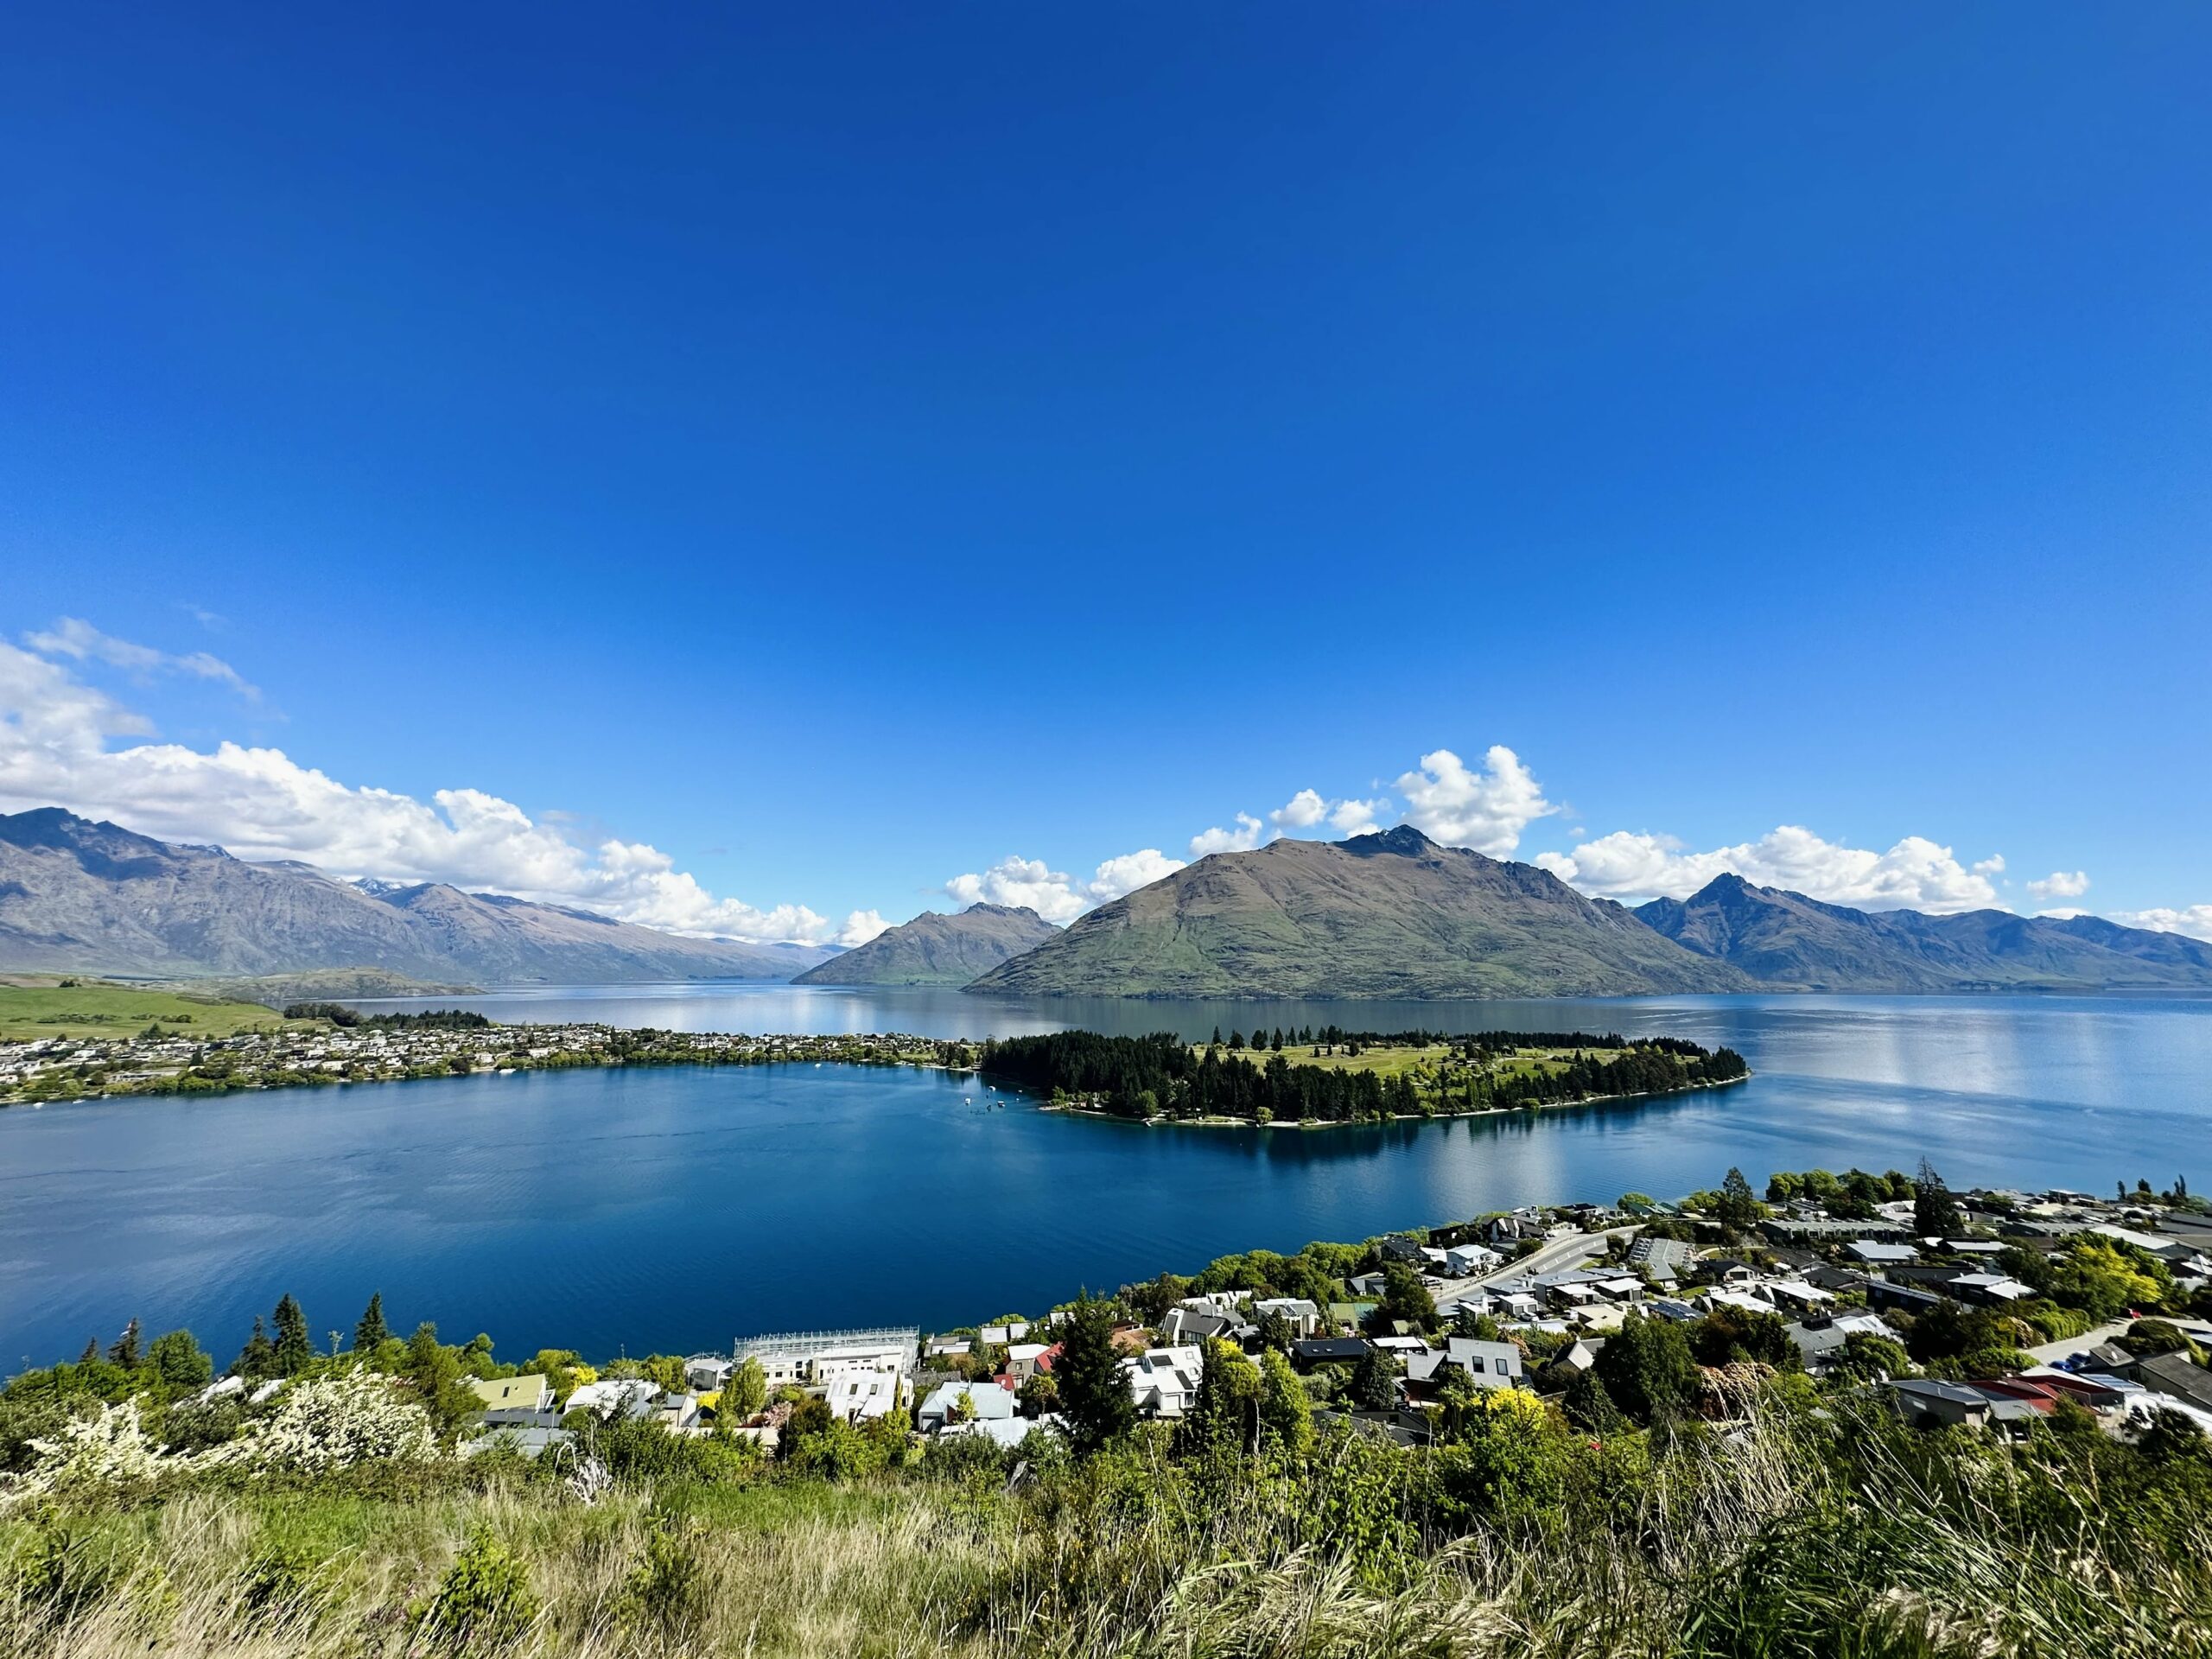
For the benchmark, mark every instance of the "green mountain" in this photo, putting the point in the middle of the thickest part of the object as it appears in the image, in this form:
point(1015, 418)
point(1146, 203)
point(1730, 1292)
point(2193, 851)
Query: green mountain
point(1385, 915)
point(936, 950)
point(1789, 942)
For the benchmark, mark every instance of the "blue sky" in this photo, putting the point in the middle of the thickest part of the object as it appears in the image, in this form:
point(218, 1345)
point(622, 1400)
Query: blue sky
point(826, 452)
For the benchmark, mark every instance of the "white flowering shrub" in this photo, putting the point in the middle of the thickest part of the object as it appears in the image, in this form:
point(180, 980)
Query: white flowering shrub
point(333, 1423)
point(104, 1451)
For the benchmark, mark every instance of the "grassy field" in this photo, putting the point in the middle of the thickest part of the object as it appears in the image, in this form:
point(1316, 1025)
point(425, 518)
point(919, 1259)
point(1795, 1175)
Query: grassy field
point(1421, 1063)
point(31, 1009)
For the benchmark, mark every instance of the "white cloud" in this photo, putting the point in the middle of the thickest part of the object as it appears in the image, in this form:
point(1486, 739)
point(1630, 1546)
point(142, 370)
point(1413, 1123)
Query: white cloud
point(259, 803)
point(1241, 839)
point(1057, 897)
point(1486, 809)
point(74, 637)
point(1302, 811)
point(1916, 874)
point(1994, 864)
point(1350, 818)
point(1129, 872)
point(2061, 884)
point(859, 927)
point(2194, 920)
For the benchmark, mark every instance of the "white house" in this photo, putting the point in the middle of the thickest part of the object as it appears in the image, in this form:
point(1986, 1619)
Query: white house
point(633, 1397)
point(861, 1396)
point(1304, 1316)
point(986, 1402)
point(1025, 1359)
point(1465, 1259)
point(1165, 1381)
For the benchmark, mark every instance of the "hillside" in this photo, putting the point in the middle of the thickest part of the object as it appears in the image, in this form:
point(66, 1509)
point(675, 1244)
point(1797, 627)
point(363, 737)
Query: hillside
point(77, 896)
point(1385, 915)
point(937, 950)
point(319, 985)
point(69, 1008)
point(1789, 942)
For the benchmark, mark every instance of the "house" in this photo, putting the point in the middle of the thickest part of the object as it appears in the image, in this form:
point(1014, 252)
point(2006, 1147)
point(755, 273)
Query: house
point(1367, 1284)
point(2177, 1377)
point(1663, 1258)
point(1926, 1401)
point(1327, 1350)
point(1491, 1364)
point(1580, 1357)
point(984, 1403)
point(1305, 1317)
point(1464, 1260)
point(532, 1443)
point(1875, 1253)
point(677, 1412)
point(1795, 1293)
point(609, 1401)
point(1831, 1231)
point(707, 1372)
point(1400, 1247)
point(1515, 1304)
point(1189, 1325)
point(998, 1336)
point(530, 1395)
point(1165, 1381)
point(1026, 1359)
point(1005, 1432)
point(812, 1357)
point(1991, 1289)
point(861, 1396)
point(1905, 1298)
point(1822, 1341)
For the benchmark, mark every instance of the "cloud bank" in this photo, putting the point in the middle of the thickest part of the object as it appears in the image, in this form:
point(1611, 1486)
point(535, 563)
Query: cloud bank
point(65, 741)
point(1916, 874)
point(55, 733)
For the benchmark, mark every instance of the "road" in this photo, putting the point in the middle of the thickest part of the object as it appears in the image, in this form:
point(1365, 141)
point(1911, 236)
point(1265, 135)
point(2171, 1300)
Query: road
point(1552, 1255)
point(2051, 1352)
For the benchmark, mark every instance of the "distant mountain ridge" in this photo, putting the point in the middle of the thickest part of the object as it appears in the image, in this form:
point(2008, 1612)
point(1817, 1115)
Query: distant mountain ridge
point(75, 894)
point(1391, 914)
point(937, 950)
point(1789, 942)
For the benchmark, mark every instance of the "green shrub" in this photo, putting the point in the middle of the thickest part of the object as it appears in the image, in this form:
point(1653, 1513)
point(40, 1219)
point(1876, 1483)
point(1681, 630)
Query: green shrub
point(484, 1602)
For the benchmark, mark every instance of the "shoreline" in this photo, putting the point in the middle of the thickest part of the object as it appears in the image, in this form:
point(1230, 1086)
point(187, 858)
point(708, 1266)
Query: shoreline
point(1162, 1121)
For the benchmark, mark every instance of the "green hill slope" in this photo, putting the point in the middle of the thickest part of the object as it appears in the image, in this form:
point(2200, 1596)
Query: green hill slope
point(1386, 915)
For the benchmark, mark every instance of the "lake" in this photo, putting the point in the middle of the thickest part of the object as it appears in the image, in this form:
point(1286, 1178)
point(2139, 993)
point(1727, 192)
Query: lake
point(673, 1210)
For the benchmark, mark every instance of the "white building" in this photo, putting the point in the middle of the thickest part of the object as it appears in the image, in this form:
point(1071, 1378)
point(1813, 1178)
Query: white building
point(1165, 1381)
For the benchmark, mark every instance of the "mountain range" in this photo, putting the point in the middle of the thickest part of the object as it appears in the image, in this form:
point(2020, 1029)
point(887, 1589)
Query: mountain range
point(93, 897)
point(1391, 914)
point(1789, 942)
point(937, 950)
point(1388, 915)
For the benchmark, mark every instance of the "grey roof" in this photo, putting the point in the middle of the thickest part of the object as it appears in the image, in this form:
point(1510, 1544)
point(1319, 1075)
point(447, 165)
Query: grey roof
point(2178, 1375)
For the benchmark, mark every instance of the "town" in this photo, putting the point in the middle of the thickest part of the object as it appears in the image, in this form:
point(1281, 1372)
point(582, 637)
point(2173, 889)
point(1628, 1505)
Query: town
point(2016, 1305)
point(312, 1048)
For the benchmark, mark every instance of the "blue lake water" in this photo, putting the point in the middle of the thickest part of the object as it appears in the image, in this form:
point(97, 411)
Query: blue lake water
point(676, 1209)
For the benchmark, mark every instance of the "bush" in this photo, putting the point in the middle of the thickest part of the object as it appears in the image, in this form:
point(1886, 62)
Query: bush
point(485, 1601)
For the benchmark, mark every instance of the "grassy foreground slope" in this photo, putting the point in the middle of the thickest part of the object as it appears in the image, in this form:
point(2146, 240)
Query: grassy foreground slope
point(1786, 1534)
point(1386, 915)
point(32, 1009)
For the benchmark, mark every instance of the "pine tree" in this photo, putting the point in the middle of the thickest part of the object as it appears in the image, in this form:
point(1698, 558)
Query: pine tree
point(372, 1334)
point(126, 1351)
point(91, 1354)
point(295, 1349)
point(257, 1361)
point(1095, 1396)
point(1935, 1212)
point(1739, 1206)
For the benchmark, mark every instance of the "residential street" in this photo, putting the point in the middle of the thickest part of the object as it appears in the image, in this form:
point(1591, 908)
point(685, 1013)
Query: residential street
point(1554, 1256)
